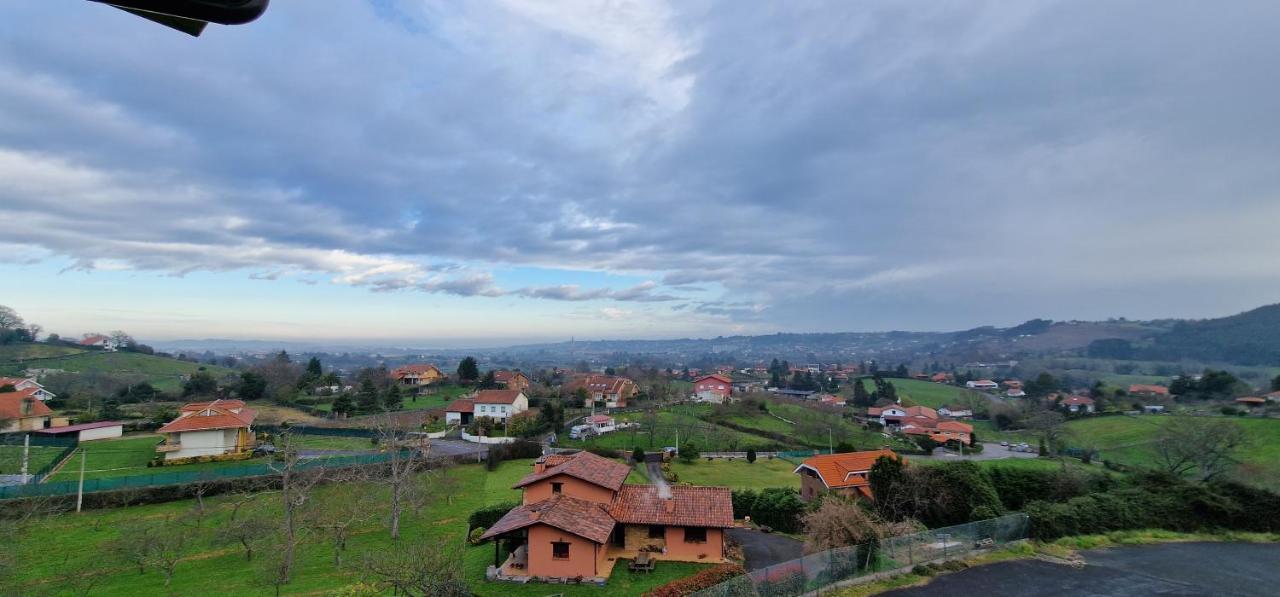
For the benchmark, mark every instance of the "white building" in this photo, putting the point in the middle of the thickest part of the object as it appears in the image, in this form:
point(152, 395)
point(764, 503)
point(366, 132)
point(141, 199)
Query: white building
point(27, 383)
point(208, 429)
point(982, 384)
point(498, 404)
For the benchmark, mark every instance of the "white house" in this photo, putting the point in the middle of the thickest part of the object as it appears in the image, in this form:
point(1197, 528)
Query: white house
point(889, 415)
point(498, 404)
point(982, 384)
point(27, 383)
point(1015, 393)
point(1078, 404)
point(957, 412)
point(208, 429)
point(85, 432)
point(99, 341)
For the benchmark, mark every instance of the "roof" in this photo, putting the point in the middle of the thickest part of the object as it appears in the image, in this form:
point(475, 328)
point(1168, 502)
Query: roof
point(874, 411)
point(588, 520)
point(497, 396)
point(418, 369)
point(80, 427)
point(505, 376)
point(593, 469)
point(1251, 400)
point(921, 411)
point(1272, 395)
point(599, 419)
point(461, 405)
point(219, 414)
point(1077, 400)
point(607, 384)
point(11, 405)
point(689, 506)
point(1142, 388)
point(229, 404)
point(4, 381)
point(717, 377)
point(955, 426)
point(94, 339)
point(836, 470)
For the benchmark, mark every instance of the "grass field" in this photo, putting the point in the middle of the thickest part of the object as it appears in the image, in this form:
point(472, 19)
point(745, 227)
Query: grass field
point(83, 544)
point(39, 457)
point(812, 425)
point(684, 423)
point(12, 353)
point(122, 457)
point(163, 373)
point(914, 392)
point(738, 474)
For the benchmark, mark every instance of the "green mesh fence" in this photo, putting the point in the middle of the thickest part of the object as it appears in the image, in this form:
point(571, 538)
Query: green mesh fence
point(819, 570)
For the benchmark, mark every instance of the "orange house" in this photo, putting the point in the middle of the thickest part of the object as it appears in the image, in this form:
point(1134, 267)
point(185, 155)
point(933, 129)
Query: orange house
point(511, 380)
point(843, 474)
point(578, 518)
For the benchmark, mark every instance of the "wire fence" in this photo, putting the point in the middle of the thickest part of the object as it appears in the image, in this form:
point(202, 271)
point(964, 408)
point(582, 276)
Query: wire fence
point(820, 570)
point(43, 454)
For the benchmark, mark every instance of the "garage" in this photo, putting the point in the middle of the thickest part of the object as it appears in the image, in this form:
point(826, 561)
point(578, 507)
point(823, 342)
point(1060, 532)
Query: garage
point(85, 432)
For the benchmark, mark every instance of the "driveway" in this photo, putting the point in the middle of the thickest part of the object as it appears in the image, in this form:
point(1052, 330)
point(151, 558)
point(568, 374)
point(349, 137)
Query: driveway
point(654, 468)
point(990, 451)
point(1171, 569)
point(765, 549)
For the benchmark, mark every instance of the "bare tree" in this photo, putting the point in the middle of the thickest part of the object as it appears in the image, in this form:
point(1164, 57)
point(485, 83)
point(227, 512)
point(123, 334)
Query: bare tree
point(9, 319)
point(1207, 447)
point(342, 509)
point(135, 543)
point(168, 547)
point(296, 484)
point(247, 531)
point(421, 567)
point(406, 455)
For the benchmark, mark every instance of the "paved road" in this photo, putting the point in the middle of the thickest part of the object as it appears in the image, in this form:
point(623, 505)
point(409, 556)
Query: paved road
point(1172, 569)
point(765, 549)
point(990, 451)
point(654, 468)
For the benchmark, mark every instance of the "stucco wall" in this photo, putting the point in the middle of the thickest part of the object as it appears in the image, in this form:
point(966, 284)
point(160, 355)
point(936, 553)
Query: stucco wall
point(101, 433)
point(710, 551)
point(573, 487)
point(584, 559)
point(204, 443)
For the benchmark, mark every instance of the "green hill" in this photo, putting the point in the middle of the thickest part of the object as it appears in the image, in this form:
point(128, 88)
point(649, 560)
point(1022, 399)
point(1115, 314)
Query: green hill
point(162, 372)
point(1249, 338)
point(914, 392)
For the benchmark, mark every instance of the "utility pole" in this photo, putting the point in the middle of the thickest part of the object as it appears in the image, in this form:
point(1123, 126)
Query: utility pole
point(26, 455)
point(830, 449)
point(80, 492)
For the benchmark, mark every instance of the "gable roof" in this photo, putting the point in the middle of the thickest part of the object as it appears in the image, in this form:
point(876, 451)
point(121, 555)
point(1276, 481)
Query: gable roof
point(1143, 388)
point(688, 506)
point(717, 377)
point(497, 396)
point(209, 416)
point(461, 405)
point(11, 405)
point(1077, 400)
point(593, 469)
point(585, 519)
point(16, 381)
point(921, 411)
point(837, 470)
point(606, 384)
point(415, 369)
point(506, 376)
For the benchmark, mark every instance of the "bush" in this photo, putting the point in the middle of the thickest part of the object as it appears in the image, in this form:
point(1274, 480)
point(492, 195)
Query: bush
point(751, 455)
point(777, 507)
point(488, 515)
point(606, 452)
point(511, 451)
point(473, 537)
point(637, 455)
point(702, 580)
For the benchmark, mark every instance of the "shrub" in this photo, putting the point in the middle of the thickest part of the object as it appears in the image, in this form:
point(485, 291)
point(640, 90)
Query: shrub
point(511, 451)
point(777, 507)
point(473, 537)
point(751, 455)
point(488, 515)
point(637, 455)
point(702, 580)
point(606, 452)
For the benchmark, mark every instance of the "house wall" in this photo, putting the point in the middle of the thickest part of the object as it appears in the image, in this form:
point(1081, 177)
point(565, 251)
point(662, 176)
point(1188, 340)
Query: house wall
point(710, 551)
point(585, 558)
point(101, 433)
point(573, 487)
point(810, 485)
point(710, 396)
point(203, 443)
point(636, 536)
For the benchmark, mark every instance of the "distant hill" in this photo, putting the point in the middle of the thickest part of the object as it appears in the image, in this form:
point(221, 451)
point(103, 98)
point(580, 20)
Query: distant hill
point(164, 373)
point(1250, 338)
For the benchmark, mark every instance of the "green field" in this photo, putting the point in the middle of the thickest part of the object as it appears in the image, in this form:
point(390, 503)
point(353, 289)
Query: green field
point(738, 474)
point(13, 353)
point(38, 458)
point(684, 423)
point(914, 392)
point(83, 542)
point(163, 373)
point(127, 456)
point(812, 426)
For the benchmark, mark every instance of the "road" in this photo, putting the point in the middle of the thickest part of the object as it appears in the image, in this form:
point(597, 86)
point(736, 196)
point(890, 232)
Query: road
point(654, 468)
point(765, 549)
point(1171, 569)
point(990, 451)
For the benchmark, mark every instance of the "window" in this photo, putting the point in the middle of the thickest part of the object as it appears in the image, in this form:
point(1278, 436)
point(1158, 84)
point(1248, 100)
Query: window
point(695, 535)
point(657, 531)
point(559, 550)
point(557, 487)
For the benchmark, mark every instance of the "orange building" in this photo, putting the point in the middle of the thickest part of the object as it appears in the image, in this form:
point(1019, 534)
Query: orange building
point(844, 474)
point(512, 380)
point(578, 518)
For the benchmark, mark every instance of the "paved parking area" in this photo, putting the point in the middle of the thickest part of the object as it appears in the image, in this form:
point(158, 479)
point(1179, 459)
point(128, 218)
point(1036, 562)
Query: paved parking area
point(1172, 569)
point(765, 549)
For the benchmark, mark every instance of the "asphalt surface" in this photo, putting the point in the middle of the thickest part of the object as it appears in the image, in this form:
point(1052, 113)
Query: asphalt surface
point(765, 549)
point(990, 451)
point(1171, 569)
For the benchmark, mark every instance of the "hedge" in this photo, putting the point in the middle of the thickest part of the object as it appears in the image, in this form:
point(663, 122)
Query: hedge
point(777, 507)
point(702, 580)
point(486, 516)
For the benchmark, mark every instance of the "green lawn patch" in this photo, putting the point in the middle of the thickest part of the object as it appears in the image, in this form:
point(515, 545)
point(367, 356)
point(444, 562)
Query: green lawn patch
point(738, 474)
point(128, 456)
point(39, 457)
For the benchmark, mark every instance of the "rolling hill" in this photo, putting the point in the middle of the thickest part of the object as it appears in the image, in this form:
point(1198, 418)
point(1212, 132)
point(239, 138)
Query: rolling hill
point(162, 372)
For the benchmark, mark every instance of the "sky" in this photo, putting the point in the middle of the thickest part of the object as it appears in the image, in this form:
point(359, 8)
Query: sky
point(447, 172)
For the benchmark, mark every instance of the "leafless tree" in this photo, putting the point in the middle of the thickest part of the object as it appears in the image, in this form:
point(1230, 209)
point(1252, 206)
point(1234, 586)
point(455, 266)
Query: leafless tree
point(296, 484)
point(421, 567)
point(168, 547)
point(406, 456)
point(342, 509)
point(9, 319)
point(246, 531)
point(841, 523)
point(1207, 447)
point(135, 543)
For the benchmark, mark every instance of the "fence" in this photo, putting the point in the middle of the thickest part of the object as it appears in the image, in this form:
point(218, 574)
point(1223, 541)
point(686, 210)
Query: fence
point(46, 452)
point(819, 570)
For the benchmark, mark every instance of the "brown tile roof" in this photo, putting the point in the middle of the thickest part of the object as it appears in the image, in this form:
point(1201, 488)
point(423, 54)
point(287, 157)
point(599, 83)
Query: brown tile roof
point(461, 405)
point(921, 411)
point(588, 520)
point(715, 376)
point(836, 470)
point(1078, 400)
point(1143, 388)
point(418, 369)
point(11, 404)
point(597, 470)
point(219, 414)
point(229, 404)
point(551, 460)
point(606, 384)
point(689, 506)
point(506, 376)
point(496, 396)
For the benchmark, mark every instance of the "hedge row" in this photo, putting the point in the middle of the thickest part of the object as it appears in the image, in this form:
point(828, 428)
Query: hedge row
point(486, 516)
point(702, 580)
point(777, 507)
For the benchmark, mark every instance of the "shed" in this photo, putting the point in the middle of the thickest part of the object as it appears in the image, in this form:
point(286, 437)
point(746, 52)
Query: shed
point(86, 431)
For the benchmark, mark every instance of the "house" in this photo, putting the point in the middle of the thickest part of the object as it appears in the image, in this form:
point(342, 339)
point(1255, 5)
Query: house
point(1015, 393)
point(22, 411)
point(940, 378)
point(417, 376)
point(99, 341)
point(460, 411)
point(1078, 404)
point(831, 400)
point(1153, 409)
point(982, 384)
point(887, 415)
point(578, 518)
point(511, 380)
point(27, 383)
point(955, 412)
point(1251, 401)
point(1272, 397)
point(714, 388)
point(843, 474)
point(86, 431)
point(1012, 384)
point(612, 390)
point(1143, 390)
point(593, 425)
point(498, 404)
point(939, 430)
point(217, 428)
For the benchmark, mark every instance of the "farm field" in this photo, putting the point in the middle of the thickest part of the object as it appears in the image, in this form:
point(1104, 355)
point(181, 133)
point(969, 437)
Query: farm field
point(129, 455)
point(738, 474)
point(811, 427)
point(13, 353)
point(914, 392)
point(216, 567)
point(705, 436)
point(163, 373)
point(39, 457)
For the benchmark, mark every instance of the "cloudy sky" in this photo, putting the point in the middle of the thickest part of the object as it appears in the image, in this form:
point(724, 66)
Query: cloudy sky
point(523, 169)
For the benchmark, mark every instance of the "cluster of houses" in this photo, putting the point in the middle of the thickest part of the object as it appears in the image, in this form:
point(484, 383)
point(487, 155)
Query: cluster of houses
point(23, 408)
point(610, 391)
point(923, 421)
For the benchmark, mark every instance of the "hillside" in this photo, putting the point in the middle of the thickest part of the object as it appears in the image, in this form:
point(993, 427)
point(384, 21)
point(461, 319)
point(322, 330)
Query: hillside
point(1249, 338)
point(162, 372)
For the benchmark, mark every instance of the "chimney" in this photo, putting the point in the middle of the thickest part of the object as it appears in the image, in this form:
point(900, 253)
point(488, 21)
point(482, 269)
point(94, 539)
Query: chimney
point(669, 504)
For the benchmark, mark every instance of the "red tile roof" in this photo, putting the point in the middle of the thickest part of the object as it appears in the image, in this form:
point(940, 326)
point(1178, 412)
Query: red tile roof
point(715, 376)
point(597, 470)
point(689, 506)
point(921, 411)
point(461, 405)
point(606, 384)
point(229, 404)
point(1251, 400)
point(506, 376)
point(1077, 400)
point(11, 404)
point(497, 396)
point(419, 369)
point(837, 470)
point(1142, 388)
point(588, 520)
point(219, 414)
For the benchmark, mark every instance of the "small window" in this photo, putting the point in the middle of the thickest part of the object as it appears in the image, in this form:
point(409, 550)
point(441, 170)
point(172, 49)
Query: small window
point(657, 531)
point(557, 487)
point(695, 535)
point(559, 550)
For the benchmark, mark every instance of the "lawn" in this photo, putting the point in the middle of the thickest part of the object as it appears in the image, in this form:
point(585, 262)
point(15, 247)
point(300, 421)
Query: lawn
point(39, 457)
point(670, 424)
point(738, 474)
point(914, 392)
point(812, 425)
point(331, 442)
point(126, 456)
point(83, 543)
point(163, 373)
point(13, 353)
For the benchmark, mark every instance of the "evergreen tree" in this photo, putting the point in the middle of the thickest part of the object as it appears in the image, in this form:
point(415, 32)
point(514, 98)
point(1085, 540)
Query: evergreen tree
point(253, 386)
point(751, 455)
point(314, 369)
point(110, 409)
point(367, 397)
point(902, 371)
point(1275, 384)
point(344, 405)
point(393, 400)
point(467, 370)
point(861, 397)
point(489, 381)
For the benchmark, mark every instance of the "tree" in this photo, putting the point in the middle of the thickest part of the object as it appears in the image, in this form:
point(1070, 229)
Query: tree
point(422, 567)
point(367, 401)
point(688, 453)
point(296, 484)
point(246, 531)
point(344, 405)
point(841, 523)
point(314, 369)
point(637, 455)
point(167, 549)
point(393, 400)
point(200, 384)
point(1275, 384)
point(405, 458)
point(9, 319)
point(489, 381)
point(253, 386)
point(1207, 447)
point(468, 371)
point(339, 512)
point(110, 410)
point(1043, 385)
point(862, 398)
point(884, 474)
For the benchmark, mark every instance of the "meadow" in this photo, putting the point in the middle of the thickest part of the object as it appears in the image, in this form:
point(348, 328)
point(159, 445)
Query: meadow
point(738, 473)
point(163, 373)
